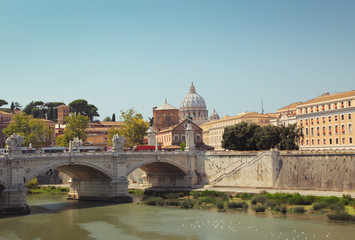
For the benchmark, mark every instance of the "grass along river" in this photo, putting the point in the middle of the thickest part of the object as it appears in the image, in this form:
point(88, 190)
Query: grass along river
point(53, 217)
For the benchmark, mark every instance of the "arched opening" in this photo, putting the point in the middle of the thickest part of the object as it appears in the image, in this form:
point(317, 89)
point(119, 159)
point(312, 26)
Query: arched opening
point(160, 175)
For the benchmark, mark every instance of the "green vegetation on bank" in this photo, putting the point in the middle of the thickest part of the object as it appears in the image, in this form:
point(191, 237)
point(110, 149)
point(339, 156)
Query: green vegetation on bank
point(335, 208)
point(34, 188)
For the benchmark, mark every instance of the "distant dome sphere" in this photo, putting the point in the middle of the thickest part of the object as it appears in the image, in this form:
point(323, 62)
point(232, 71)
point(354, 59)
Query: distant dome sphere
point(193, 100)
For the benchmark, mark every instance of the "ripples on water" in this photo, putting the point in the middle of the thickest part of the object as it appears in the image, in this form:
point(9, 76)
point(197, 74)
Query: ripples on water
point(55, 218)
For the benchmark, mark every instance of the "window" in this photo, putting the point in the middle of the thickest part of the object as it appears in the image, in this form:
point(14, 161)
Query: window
point(158, 119)
point(317, 120)
point(312, 121)
point(349, 116)
point(342, 128)
point(306, 131)
point(329, 118)
point(198, 138)
point(330, 130)
point(167, 118)
point(312, 141)
point(312, 132)
point(323, 131)
point(336, 117)
point(342, 117)
point(323, 118)
point(183, 138)
point(324, 142)
point(176, 138)
point(342, 104)
point(349, 103)
point(318, 141)
point(330, 141)
point(306, 142)
point(317, 131)
point(336, 129)
point(336, 141)
point(343, 140)
point(350, 128)
point(329, 106)
point(350, 140)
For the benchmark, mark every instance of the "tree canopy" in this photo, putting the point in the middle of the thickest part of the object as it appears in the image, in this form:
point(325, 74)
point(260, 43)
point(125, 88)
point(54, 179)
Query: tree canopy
point(34, 130)
point(134, 127)
point(39, 109)
point(250, 137)
point(81, 106)
point(75, 127)
point(2, 102)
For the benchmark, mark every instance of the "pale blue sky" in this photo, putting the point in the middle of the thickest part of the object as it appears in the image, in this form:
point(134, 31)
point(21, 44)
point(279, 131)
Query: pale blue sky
point(135, 53)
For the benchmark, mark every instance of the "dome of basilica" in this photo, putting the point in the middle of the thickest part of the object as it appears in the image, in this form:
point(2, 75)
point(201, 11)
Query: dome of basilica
point(214, 115)
point(193, 104)
point(192, 100)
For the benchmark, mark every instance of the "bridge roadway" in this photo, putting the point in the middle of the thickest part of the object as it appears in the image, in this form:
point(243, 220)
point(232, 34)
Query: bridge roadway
point(98, 176)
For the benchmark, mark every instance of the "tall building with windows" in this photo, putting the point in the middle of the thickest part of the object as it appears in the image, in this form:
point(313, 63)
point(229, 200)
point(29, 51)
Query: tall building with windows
point(63, 112)
point(327, 121)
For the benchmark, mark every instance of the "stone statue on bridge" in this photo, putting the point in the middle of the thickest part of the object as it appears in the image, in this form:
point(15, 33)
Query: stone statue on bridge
point(14, 143)
point(75, 144)
point(118, 143)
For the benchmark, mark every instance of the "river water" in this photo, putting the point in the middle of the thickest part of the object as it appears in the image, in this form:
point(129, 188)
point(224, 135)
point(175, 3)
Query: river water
point(53, 217)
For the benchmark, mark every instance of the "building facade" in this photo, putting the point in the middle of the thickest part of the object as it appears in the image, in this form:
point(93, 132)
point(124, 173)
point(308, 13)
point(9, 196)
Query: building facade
point(165, 116)
point(327, 121)
point(63, 112)
point(286, 115)
point(175, 135)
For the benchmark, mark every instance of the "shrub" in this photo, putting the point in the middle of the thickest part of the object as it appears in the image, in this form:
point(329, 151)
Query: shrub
point(338, 207)
point(32, 184)
point(297, 199)
point(253, 201)
point(172, 202)
point(195, 194)
point(259, 208)
point(347, 196)
point(259, 199)
point(187, 203)
point(246, 196)
point(238, 195)
point(171, 196)
point(243, 205)
point(283, 210)
point(212, 193)
point(319, 205)
point(207, 200)
point(341, 216)
point(154, 201)
point(220, 205)
point(298, 210)
point(331, 200)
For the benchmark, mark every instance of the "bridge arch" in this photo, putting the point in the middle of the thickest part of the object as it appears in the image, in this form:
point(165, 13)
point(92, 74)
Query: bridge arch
point(153, 163)
point(162, 174)
point(77, 170)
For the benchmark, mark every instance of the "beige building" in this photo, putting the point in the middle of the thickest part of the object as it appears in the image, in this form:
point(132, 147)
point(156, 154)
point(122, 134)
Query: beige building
point(286, 115)
point(212, 131)
point(327, 121)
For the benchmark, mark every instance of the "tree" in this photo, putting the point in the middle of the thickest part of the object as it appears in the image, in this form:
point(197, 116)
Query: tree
point(240, 137)
point(2, 102)
point(134, 127)
point(81, 106)
point(75, 127)
point(289, 137)
point(113, 119)
point(112, 132)
point(107, 119)
point(182, 146)
point(267, 137)
point(35, 131)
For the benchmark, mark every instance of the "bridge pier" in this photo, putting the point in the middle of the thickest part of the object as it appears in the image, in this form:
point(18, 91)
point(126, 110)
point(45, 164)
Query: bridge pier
point(100, 190)
point(13, 200)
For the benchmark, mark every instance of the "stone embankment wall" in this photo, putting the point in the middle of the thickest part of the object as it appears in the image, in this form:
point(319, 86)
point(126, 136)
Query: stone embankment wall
point(316, 170)
point(248, 169)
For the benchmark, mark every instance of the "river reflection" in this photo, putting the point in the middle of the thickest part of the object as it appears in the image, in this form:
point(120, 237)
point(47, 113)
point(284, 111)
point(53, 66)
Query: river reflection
point(53, 217)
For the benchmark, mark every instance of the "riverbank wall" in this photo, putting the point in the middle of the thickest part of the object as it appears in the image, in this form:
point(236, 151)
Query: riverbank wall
point(312, 170)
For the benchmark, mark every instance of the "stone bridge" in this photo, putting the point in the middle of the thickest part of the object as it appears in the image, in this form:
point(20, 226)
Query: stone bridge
point(98, 176)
